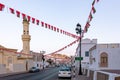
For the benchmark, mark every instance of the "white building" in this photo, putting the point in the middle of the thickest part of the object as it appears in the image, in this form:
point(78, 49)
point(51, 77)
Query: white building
point(100, 61)
point(86, 44)
point(105, 56)
point(104, 62)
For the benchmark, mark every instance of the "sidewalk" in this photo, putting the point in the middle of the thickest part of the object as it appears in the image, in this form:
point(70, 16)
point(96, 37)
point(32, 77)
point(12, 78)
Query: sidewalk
point(78, 77)
point(81, 77)
point(14, 73)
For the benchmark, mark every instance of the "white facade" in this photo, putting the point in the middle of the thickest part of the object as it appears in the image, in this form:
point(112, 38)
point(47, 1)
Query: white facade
point(86, 44)
point(112, 58)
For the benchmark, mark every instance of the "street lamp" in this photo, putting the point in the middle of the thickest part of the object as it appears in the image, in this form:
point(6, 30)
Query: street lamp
point(79, 31)
point(43, 57)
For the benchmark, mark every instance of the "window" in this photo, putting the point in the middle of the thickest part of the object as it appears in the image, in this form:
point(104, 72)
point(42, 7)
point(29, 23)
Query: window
point(86, 53)
point(27, 32)
point(24, 31)
point(9, 60)
point(103, 60)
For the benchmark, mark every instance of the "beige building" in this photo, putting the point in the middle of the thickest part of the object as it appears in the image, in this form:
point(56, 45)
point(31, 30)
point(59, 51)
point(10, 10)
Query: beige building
point(28, 58)
point(7, 59)
point(11, 60)
point(38, 60)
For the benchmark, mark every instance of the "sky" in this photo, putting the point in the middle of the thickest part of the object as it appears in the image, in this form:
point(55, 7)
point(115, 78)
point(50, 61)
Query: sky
point(64, 14)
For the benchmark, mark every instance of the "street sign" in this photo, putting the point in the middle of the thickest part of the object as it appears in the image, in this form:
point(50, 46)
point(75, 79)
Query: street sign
point(78, 58)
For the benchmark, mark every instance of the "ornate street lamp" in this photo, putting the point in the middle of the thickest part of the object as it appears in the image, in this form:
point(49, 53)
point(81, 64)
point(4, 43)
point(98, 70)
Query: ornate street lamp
point(79, 31)
point(43, 57)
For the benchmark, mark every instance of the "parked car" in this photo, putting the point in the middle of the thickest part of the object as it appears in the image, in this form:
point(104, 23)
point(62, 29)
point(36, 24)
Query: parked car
point(34, 69)
point(64, 73)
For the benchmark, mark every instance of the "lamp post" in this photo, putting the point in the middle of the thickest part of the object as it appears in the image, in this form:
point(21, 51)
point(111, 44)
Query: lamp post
point(79, 31)
point(43, 58)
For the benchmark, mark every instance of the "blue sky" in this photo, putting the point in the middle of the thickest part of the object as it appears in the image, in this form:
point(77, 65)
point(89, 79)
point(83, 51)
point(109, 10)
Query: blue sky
point(64, 14)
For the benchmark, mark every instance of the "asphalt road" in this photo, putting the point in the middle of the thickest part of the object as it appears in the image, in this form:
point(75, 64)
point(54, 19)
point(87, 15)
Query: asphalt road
point(46, 74)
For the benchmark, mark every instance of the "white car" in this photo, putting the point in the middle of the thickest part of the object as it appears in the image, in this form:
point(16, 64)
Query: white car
point(64, 73)
point(34, 69)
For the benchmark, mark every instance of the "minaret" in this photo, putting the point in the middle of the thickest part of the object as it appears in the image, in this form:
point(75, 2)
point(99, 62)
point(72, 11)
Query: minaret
point(26, 37)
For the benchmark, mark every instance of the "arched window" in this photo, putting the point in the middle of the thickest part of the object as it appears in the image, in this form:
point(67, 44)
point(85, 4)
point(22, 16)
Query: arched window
point(24, 31)
point(104, 60)
point(9, 60)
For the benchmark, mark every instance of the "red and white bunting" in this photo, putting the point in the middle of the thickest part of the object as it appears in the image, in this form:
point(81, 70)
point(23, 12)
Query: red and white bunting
point(33, 20)
point(43, 24)
point(12, 10)
point(28, 18)
point(2, 6)
point(18, 13)
point(37, 22)
point(23, 15)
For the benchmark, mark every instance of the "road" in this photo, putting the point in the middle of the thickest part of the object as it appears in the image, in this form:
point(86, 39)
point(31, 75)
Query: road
point(46, 74)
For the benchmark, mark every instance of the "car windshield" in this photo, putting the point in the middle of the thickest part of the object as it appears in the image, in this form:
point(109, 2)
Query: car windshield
point(66, 69)
point(33, 68)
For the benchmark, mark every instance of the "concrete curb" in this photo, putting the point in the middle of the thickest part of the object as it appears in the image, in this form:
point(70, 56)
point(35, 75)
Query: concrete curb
point(14, 73)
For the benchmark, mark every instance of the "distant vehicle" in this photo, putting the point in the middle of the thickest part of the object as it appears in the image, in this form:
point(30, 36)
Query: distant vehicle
point(34, 69)
point(64, 73)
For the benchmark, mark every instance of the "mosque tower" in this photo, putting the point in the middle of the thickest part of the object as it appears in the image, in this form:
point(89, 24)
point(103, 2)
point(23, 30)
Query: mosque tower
point(26, 37)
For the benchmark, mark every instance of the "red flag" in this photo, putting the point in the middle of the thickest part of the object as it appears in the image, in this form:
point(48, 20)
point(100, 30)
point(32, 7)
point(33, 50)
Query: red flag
point(90, 17)
point(33, 20)
point(68, 33)
point(65, 32)
point(57, 29)
point(93, 9)
point(51, 27)
point(72, 35)
point(45, 25)
point(86, 29)
point(12, 10)
point(2, 6)
point(28, 17)
point(23, 15)
point(68, 45)
point(54, 28)
point(65, 47)
point(37, 22)
point(42, 23)
point(93, 3)
point(97, 0)
point(48, 26)
point(61, 31)
point(87, 26)
point(18, 13)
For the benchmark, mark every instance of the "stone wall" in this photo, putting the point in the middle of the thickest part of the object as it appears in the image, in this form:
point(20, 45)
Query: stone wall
point(18, 67)
point(102, 76)
point(2, 69)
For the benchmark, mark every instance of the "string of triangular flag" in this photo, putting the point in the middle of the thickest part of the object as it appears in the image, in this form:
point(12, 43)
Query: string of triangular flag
point(18, 13)
point(90, 17)
point(87, 25)
point(38, 22)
